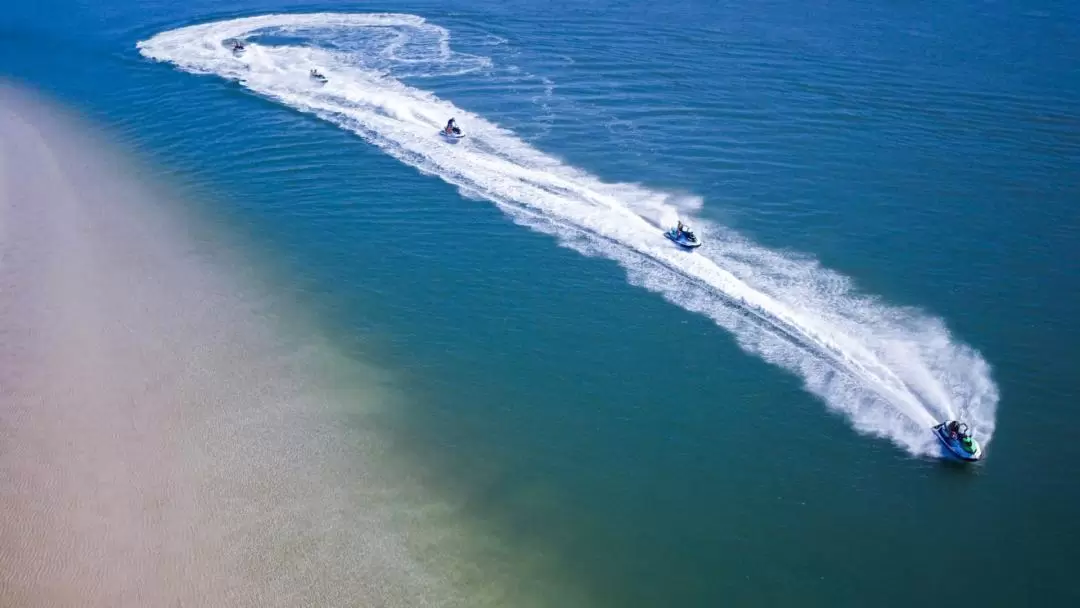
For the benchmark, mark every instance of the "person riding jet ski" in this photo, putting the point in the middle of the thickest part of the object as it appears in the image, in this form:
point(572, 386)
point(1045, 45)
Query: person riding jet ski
point(317, 75)
point(682, 230)
point(452, 128)
point(954, 429)
point(237, 46)
point(960, 433)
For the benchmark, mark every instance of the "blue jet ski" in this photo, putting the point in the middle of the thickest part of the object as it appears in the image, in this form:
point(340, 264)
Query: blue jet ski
point(318, 77)
point(683, 236)
point(957, 438)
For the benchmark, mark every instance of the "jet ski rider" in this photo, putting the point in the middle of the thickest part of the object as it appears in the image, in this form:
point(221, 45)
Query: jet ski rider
point(451, 126)
point(956, 432)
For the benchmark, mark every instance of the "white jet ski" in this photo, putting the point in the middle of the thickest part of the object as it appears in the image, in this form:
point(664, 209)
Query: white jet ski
point(318, 77)
point(452, 133)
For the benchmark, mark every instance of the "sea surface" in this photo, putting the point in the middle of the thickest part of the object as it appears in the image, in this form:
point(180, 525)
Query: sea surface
point(887, 193)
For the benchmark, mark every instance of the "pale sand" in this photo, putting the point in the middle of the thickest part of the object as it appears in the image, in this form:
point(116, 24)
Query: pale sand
point(161, 443)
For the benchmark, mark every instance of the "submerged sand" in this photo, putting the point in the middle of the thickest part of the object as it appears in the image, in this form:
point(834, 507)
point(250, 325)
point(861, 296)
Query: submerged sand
point(161, 443)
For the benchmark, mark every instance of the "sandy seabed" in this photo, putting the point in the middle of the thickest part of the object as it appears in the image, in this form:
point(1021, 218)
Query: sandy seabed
point(160, 443)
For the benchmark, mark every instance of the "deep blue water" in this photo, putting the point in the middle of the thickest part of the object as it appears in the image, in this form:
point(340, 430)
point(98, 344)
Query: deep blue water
point(928, 153)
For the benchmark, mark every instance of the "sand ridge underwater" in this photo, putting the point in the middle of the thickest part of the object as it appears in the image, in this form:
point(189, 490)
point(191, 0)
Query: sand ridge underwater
point(165, 440)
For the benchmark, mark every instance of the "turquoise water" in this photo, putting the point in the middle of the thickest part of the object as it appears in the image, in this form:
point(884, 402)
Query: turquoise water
point(734, 426)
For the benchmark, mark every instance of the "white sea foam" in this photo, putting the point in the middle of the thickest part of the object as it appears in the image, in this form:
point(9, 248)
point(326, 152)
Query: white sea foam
point(891, 371)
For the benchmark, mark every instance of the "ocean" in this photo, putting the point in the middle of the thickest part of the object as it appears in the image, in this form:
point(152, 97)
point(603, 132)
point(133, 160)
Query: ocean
point(886, 194)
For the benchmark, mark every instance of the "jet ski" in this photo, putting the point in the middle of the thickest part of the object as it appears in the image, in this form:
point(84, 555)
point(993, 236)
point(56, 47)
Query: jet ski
point(957, 438)
point(237, 47)
point(683, 236)
point(318, 77)
point(453, 134)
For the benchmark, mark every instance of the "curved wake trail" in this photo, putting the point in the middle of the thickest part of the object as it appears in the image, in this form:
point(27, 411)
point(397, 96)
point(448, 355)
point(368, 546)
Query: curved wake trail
point(893, 372)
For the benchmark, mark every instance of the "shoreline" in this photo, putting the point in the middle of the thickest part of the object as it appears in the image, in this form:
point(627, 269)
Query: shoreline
point(163, 443)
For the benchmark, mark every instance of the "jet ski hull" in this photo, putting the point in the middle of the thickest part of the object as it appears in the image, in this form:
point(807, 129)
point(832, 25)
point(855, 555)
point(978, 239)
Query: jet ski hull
point(682, 241)
point(452, 137)
point(954, 446)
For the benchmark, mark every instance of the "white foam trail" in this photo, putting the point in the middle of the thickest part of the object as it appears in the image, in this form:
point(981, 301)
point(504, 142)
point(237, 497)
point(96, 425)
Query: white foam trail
point(892, 372)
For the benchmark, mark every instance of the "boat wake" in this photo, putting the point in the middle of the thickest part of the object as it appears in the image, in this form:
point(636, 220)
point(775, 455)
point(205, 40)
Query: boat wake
point(893, 372)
